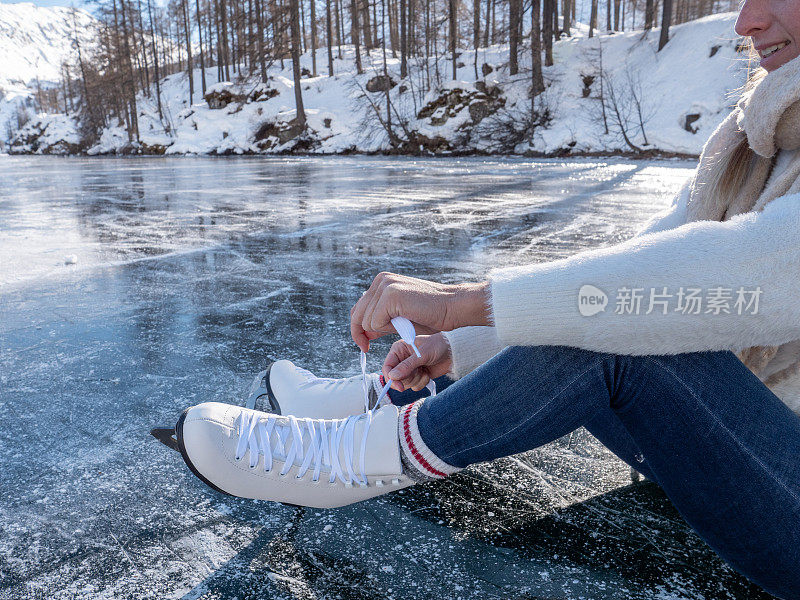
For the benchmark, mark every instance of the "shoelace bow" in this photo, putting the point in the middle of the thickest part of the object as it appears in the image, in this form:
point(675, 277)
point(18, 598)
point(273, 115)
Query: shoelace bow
point(405, 329)
point(312, 442)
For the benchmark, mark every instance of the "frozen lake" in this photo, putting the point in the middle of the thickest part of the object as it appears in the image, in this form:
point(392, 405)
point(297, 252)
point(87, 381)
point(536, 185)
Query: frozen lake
point(191, 275)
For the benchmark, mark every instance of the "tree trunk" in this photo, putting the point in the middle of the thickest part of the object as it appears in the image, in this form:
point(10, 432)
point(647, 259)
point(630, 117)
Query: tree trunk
point(260, 31)
point(155, 60)
point(593, 18)
point(453, 36)
point(224, 48)
point(200, 43)
point(313, 38)
point(339, 28)
point(568, 17)
point(403, 41)
point(189, 66)
point(547, 31)
point(513, 36)
point(648, 14)
point(294, 19)
point(666, 19)
point(328, 35)
point(537, 83)
point(133, 132)
point(365, 24)
point(476, 31)
point(386, 74)
point(355, 34)
point(488, 23)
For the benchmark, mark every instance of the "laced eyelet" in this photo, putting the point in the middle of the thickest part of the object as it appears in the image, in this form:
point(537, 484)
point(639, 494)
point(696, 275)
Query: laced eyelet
point(253, 467)
point(238, 458)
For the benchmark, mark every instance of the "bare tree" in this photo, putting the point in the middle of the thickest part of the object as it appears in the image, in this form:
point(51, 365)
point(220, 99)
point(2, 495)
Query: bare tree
point(453, 32)
point(513, 35)
point(666, 18)
point(294, 19)
point(328, 32)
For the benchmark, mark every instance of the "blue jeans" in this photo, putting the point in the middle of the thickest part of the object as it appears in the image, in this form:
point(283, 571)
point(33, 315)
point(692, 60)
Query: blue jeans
point(722, 446)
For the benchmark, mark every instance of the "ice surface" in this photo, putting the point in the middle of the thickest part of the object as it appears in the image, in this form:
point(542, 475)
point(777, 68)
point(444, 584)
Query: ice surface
point(191, 275)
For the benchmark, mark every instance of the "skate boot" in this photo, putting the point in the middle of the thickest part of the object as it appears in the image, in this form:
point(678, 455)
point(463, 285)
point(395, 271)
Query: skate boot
point(286, 389)
point(322, 463)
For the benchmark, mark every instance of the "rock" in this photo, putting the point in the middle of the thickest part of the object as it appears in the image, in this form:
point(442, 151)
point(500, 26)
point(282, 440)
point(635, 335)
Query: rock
point(223, 93)
point(402, 89)
point(262, 93)
point(689, 120)
point(272, 134)
point(326, 122)
point(588, 80)
point(380, 83)
point(451, 102)
point(480, 86)
point(486, 69)
point(304, 72)
point(714, 50)
point(71, 259)
point(479, 110)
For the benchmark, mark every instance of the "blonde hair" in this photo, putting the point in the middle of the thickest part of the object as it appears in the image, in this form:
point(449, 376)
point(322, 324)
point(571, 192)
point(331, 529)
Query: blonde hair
point(733, 165)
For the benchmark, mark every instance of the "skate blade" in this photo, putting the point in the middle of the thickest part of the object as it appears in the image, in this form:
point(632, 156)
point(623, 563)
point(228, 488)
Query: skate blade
point(166, 435)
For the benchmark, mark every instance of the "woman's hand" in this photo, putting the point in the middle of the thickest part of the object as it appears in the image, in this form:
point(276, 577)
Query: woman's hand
point(409, 371)
point(431, 307)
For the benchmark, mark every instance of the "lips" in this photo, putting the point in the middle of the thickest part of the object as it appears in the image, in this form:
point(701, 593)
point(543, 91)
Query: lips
point(766, 51)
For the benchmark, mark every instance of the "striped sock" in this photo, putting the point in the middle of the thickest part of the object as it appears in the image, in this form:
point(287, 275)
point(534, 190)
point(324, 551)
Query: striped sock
point(419, 461)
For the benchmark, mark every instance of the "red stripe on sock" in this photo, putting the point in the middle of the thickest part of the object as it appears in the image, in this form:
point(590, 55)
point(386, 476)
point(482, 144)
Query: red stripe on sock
point(414, 452)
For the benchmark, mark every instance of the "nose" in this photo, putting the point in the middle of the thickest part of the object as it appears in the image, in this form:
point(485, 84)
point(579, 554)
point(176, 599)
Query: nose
point(754, 17)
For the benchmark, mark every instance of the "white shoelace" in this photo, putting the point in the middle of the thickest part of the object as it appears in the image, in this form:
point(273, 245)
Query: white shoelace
point(405, 329)
point(312, 442)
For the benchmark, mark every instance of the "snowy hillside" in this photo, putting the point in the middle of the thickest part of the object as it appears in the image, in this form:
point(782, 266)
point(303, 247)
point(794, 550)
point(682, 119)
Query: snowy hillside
point(33, 43)
point(682, 93)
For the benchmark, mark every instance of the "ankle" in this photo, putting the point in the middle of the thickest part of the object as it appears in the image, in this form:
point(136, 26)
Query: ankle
point(419, 461)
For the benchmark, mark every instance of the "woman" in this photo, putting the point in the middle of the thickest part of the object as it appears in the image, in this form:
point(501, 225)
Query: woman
point(537, 352)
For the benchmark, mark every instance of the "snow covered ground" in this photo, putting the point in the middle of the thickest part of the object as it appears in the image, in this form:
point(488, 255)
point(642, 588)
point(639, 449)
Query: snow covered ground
point(189, 276)
point(684, 92)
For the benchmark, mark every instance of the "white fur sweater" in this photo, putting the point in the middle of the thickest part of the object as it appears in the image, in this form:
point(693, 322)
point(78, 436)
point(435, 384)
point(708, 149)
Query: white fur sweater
point(538, 303)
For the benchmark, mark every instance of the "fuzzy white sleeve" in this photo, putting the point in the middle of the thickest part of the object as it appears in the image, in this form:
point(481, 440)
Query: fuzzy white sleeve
point(538, 304)
point(470, 347)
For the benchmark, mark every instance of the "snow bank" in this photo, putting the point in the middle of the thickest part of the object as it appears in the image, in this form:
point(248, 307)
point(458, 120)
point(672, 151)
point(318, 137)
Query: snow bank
point(683, 93)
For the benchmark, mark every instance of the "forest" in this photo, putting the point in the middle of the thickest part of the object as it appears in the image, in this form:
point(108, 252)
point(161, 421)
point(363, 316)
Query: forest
point(139, 42)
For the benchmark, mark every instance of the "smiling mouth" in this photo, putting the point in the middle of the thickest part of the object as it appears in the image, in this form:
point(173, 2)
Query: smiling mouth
point(773, 49)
